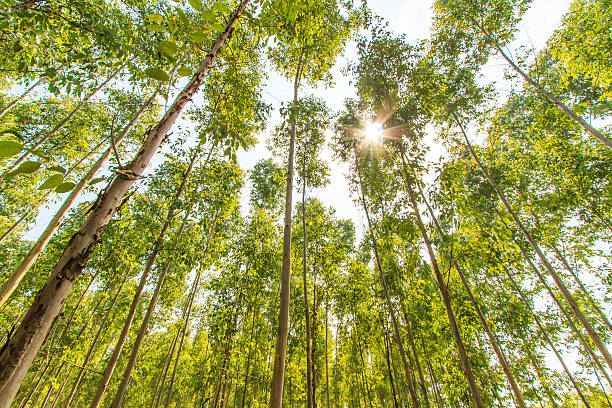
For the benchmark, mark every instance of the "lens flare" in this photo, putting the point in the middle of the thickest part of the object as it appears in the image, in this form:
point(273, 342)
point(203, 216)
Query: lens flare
point(373, 132)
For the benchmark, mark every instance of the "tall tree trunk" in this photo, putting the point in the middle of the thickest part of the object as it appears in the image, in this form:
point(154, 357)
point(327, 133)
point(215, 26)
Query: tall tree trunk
point(554, 100)
point(150, 309)
point(63, 122)
point(396, 331)
point(545, 334)
point(465, 363)
point(178, 353)
point(15, 101)
point(558, 281)
point(327, 351)
point(309, 387)
point(248, 362)
point(26, 263)
point(280, 349)
point(388, 361)
point(483, 320)
point(92, 347)
point(416, 358)
point(22, 348)
point(594, 304)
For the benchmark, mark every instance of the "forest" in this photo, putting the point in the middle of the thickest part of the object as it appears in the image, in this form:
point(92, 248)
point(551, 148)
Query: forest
point(152, 256)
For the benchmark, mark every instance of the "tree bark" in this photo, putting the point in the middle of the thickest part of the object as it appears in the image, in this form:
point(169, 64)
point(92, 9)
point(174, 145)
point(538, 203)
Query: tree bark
point(309, 387)
point(26, 263)
point(558, 281)
point(396, 331)
point(22, 348)
point(465, 364)
point(19, 98)
point(280, 349)
point(546, 337)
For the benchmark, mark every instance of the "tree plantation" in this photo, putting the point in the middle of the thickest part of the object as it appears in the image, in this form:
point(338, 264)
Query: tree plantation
point(393, 223)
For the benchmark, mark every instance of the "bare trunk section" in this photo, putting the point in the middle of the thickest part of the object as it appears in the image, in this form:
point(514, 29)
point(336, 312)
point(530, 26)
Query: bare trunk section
point(546, 337)
point(22, 348)
point(483, 320)
point(92, 347)
point(26, 263)
point(19, 98)
point(63, 122)
point(309, 387)
point(558, 281)
point(465, 363)
point(396, 331)
point(280, 349)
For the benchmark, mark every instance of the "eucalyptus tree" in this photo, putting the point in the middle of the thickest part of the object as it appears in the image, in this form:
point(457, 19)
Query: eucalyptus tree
point(307, 128)
point(478, 29)
point(25, 343)
point(310, 39)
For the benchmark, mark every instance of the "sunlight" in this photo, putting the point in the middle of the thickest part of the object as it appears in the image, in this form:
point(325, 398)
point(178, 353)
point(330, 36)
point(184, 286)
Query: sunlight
point(373, 132)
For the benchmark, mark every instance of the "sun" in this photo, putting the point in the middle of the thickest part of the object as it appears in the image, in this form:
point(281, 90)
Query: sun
point(373, 132)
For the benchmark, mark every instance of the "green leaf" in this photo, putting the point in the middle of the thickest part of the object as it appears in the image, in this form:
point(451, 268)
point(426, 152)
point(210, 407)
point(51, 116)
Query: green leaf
point(209, 15)
point(222, 7)
point(156, 27)
point(28, 167)
point(64, 187)
point(183, 16)
point(52, 182)
point(218, 27)
point(168, 47)
point(196, 4)
point(58, 169)
point(157, 73)
point(156, 18)
point(227, 151)
point(198, 37)
point(96, 180)
point(184, 71)
point(8, 148)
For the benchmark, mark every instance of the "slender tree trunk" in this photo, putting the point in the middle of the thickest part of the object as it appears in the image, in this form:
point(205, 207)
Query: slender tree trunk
point(483, 320)
point(559, 282)
point(248, 363)
point(327, 351)
point(149, 314)
point(546, 337)
point(398, 338)
point(92, 347)
point(15, 224)
point(416, 360)
point(26, 263)
point(159, 385)
point(584, 289)
point(22, 348)
point(178, 353)
point(388, 361)
point(280, 349)
point(309, 388)
point(19, 98)
point(465, 363)
point(551, 398)
point(63, 122)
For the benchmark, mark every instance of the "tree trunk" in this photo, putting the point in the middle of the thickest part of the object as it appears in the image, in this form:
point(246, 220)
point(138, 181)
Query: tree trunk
point(545, 334)
point(248, 362)
point(309, 388)
point(416, 360)
point(280, 349)
point(388, 361)
point(92, 347)
point(327, 352)
point(63, 122)
point(465, 364)
point(19, 98)
point(22, 348)
point(13, 280)
point(178, 353)
point(396, 331)
point(483, 320)
point(559, 282)
point(584, 289)
point(150, 309)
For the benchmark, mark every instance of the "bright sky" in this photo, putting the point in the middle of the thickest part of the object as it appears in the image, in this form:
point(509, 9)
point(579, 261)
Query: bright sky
point(412, 18)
